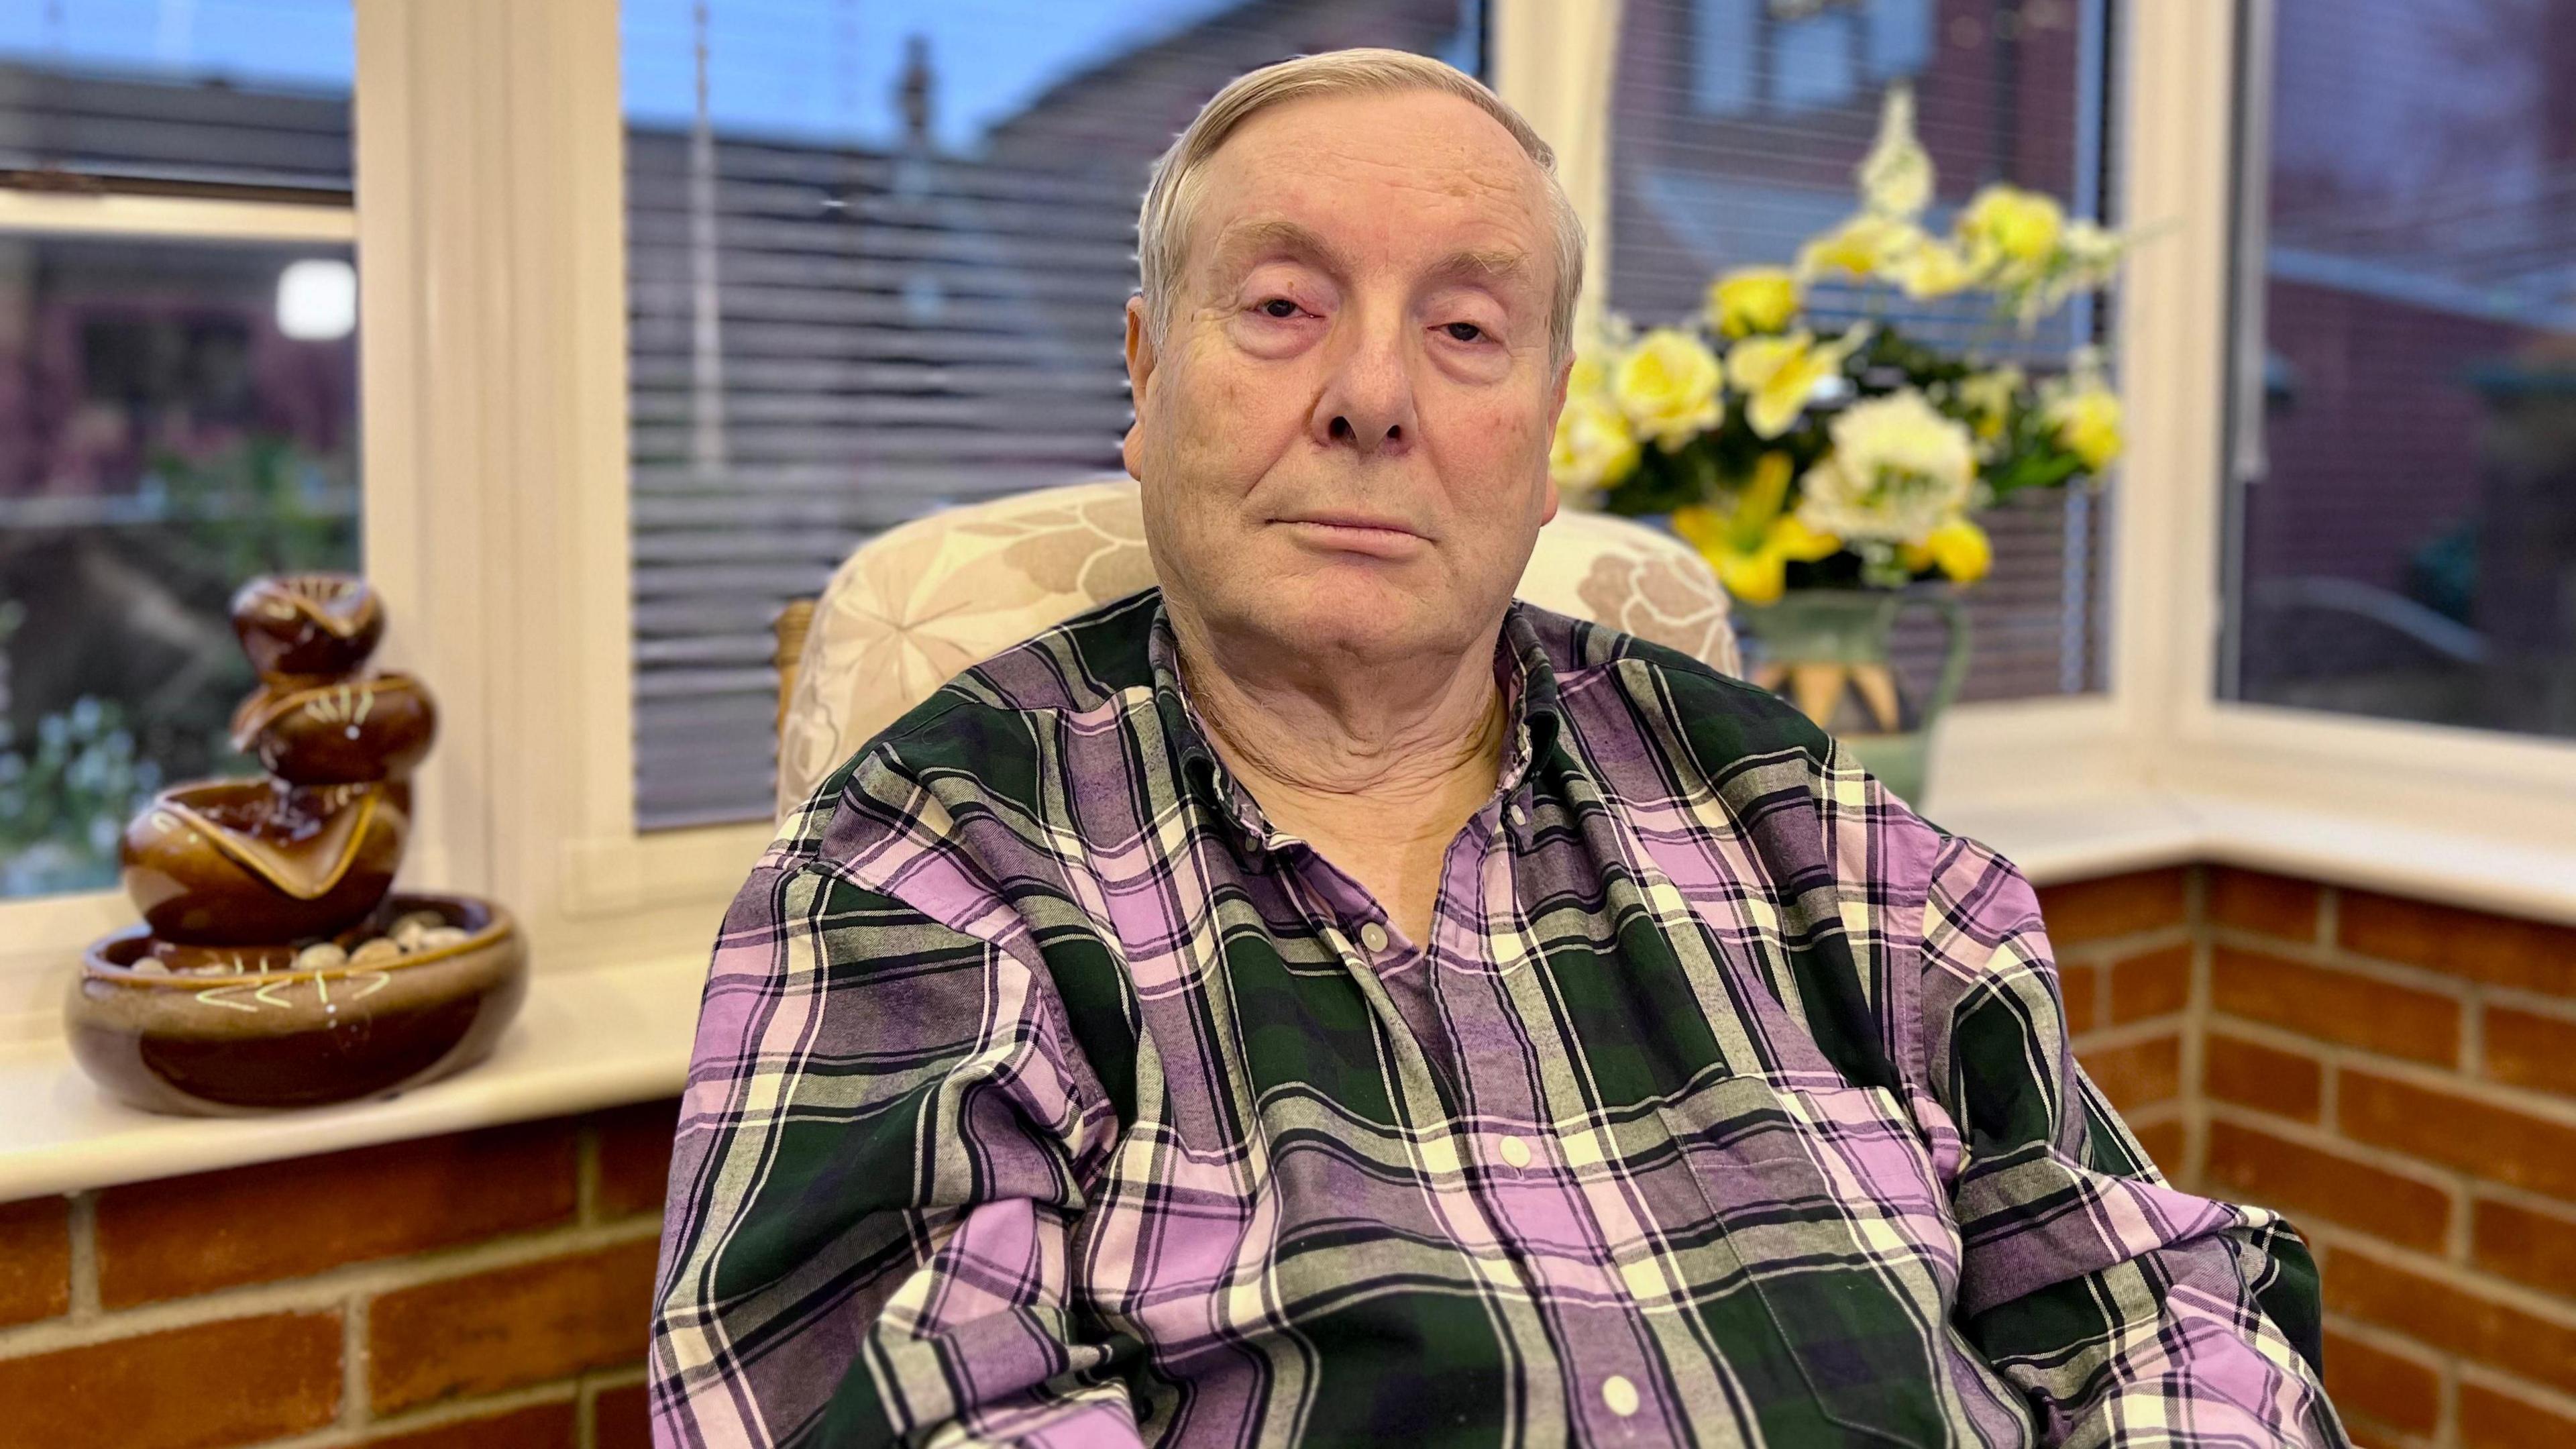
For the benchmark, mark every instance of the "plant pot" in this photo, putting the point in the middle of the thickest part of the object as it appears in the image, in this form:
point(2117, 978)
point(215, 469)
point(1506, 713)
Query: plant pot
point(1827, 651)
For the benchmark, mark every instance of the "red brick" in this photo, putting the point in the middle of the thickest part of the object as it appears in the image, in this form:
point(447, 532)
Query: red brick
point(2493, 1420)
point(184, 1235)
point(2119, 905)
point(2531, 1051)
point(2250, 1074)
point(2308, 1182)
point(2336, 1006)
point(538, 1426)
point(2080, 987)
point(510, 1327)
point(2478, 1137)
point(2535, 1249)
point(2138, 1074)
point(2163, 1141)
point(2451, 1318)
point(2156, 984)
point(2271, 904)
point(2390, 1387)
point(35, 1259)
point(239, 1381)
point(2499, 950)
point(621, 1419)
point(635, 1157)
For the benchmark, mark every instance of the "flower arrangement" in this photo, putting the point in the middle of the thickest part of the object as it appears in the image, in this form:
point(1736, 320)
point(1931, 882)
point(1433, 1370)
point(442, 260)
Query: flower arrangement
point(1792, 459)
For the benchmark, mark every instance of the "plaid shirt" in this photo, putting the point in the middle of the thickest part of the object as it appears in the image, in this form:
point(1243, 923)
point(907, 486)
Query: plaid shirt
point(1045, 1093)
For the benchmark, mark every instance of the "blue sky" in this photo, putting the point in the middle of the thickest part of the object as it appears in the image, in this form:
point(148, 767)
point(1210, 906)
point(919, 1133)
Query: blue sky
point(816, 68)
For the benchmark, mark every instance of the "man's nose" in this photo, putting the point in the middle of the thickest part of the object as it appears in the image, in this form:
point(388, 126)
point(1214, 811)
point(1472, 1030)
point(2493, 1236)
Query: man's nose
point(1367, 401)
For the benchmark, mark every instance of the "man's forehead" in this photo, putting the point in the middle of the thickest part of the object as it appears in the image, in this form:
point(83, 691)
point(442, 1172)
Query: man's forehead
point(1247, 239)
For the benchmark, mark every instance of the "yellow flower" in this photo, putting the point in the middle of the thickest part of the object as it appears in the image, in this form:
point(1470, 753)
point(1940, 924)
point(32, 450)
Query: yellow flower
point(2007, 229)
point(1752, 544)
point(1929, 268)
point(1861, 247)
point(1898, 470)
point(1959, 548)
point(1589, 377)
point(1753, 299)
point(1896, 177)
point(2088, 422)
point(1988, 397)
point(1779, 374)
point(1667, 385)
point(1593, 447)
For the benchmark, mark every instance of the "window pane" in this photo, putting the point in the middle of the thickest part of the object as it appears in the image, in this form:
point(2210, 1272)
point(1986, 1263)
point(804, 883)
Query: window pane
point(1736, 129)
point(877, 255)
point(244, 92)
point(2406, 531)
point(174, 418)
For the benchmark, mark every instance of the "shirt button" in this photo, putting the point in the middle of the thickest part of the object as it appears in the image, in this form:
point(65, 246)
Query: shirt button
point(1373, 937)
point(1619, 1394)
point(1515, 1151)
point(1518, 816)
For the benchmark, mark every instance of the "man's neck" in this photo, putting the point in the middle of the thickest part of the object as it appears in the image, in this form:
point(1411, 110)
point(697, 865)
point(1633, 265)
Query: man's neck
point(1378, 769)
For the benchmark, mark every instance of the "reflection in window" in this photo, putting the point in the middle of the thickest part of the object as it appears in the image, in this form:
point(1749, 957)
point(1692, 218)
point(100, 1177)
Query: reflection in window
point(2007, 90)
point(174, 418)
point(876, 259)
point(2405, 506)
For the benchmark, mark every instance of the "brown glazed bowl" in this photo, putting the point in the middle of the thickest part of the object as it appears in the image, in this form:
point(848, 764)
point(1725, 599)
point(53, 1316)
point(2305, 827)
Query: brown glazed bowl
point(307, 626)
point(250, 862)
point(370, 728)
point(230, 1046)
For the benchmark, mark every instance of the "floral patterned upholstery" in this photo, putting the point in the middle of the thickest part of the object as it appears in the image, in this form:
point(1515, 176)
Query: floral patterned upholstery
point(917, 605)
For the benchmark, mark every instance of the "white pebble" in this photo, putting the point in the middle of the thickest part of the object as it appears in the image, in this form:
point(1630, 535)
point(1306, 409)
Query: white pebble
point(150, 967)
point(442, 938)
point(321, 956)
point(416, 920)
point(373, 951)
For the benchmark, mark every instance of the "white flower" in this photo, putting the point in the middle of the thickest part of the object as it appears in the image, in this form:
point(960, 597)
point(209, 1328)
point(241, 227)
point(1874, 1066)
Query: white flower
point(1898, 470)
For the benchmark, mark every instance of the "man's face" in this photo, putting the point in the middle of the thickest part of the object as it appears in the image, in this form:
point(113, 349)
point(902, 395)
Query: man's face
point(1342, 438)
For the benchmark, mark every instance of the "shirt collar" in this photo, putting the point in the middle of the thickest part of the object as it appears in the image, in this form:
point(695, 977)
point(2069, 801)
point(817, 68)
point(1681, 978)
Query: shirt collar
point(1521, 667)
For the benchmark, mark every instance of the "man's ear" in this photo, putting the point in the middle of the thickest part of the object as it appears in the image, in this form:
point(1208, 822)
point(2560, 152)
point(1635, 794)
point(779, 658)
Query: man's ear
point(1555, 411)
point(1140, 376)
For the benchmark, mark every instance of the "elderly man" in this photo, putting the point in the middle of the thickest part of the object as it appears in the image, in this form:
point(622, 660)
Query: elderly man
point(1322, 1001)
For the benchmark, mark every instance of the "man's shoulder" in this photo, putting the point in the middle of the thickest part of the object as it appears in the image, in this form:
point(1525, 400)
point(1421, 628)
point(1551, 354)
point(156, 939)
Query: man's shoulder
point(1724, 719)
point(985, 724)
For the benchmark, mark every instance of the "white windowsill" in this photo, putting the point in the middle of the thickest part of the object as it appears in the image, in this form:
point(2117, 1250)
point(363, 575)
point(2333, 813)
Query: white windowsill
point(604, 1038)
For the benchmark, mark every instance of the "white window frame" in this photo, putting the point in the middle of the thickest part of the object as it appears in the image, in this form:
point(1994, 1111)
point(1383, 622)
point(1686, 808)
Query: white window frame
point(490, 229)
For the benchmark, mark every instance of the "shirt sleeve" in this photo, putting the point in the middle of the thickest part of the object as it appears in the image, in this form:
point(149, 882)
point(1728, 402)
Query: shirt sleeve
point(877, 1168)
point(2126, 1312)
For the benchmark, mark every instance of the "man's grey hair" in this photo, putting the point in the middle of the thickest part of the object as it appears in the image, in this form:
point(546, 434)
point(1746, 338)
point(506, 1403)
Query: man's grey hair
point(1162, 226)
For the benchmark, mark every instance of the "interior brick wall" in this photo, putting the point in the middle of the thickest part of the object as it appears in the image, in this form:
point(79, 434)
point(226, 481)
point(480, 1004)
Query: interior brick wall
point(2398, 1077)
point(485, 1290)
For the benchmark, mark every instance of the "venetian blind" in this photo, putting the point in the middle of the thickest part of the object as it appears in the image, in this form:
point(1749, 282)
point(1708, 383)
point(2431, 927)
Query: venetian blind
point(877, 257)
point(1736, 127)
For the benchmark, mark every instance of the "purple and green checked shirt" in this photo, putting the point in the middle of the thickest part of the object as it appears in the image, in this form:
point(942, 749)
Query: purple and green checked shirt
point(1046, 1093)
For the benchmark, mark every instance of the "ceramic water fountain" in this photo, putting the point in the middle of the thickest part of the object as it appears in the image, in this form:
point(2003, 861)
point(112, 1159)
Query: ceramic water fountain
point(275, 967)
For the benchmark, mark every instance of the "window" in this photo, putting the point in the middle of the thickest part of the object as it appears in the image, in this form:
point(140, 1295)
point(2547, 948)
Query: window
point(1765, 55)
point(1735, 128)
point(2402, 505)
point(178, 389)
point(876, 255)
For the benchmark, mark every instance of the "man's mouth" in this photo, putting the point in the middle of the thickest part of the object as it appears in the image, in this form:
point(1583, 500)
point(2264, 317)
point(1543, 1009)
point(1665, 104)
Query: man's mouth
point(1356, 533)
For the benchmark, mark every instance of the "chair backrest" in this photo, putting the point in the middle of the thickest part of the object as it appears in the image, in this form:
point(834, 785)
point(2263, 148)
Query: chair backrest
point(916, 605)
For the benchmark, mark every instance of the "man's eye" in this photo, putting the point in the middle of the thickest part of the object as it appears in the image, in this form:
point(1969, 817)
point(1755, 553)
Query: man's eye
point(1279, 307)
point(1464, 331)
